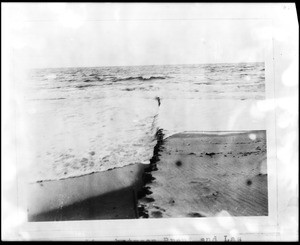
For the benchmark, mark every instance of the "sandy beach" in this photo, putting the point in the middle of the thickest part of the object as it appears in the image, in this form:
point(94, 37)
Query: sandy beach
point(200, 175)
point(110, 194)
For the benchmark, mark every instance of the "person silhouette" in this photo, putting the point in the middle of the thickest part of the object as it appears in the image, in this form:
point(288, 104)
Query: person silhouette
point(158, 100)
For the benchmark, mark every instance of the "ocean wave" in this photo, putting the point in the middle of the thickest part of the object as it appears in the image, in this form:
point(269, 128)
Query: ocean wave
point(92, 81)
point(204, 83)
point(84, 86)
point(141, 78)
point(150, 88)
point(95, 78)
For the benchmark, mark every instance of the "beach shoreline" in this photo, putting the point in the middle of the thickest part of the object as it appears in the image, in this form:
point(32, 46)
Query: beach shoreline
point(191, 174)
point(95, 195)
point(107, 194)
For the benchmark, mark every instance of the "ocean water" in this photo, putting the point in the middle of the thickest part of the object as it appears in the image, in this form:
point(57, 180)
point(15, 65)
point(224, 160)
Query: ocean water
point(84, 120)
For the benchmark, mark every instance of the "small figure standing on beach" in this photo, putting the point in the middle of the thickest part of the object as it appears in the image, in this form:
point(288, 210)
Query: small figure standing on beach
point(158, 100)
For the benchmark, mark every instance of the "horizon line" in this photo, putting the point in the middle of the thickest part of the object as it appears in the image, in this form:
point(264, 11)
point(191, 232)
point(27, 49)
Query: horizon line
point(69, 67)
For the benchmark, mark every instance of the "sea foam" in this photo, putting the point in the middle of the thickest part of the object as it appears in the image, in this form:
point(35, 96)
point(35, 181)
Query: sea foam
point(84, 120)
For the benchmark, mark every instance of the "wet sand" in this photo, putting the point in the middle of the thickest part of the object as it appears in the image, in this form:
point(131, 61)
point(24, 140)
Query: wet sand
point(109, 194)
point(120, 204)
point(200, 175)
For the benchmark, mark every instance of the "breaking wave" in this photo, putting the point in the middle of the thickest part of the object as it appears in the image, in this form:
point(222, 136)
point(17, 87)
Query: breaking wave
point(141, 78)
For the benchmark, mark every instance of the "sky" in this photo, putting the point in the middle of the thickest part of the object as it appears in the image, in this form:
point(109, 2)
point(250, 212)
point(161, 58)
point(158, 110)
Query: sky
point(80, 35)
